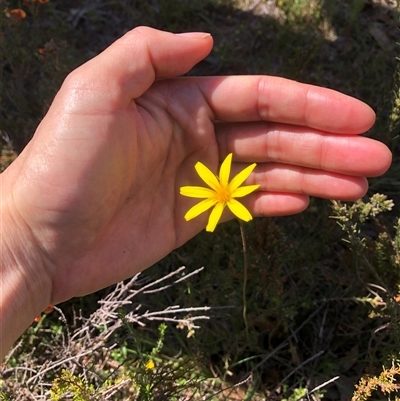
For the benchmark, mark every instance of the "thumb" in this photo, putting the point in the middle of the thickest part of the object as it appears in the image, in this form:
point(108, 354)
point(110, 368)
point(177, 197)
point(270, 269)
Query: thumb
point(127, 68)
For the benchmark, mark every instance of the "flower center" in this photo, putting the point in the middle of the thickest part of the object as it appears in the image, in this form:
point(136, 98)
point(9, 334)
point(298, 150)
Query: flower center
point(223, 195)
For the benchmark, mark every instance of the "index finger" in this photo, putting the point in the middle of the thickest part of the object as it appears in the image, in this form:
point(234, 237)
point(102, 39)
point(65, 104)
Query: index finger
point(265, 98)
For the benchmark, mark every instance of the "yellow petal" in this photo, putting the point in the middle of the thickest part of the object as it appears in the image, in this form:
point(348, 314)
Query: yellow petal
point(207, 176)
point(199, 208)
point(215, 216)
point(243, 191)
point(239, 210)
point(240, 178)
point(197, 192)
point(225, 170)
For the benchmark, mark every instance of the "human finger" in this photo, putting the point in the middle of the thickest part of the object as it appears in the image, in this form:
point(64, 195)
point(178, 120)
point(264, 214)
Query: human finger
point(275, 204)
point(283, 143)
point(127, 68)
point(273, 177)
point(266, 98)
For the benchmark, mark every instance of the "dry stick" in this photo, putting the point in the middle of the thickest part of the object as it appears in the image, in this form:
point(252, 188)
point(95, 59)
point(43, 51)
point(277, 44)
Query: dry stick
point(54, 365)
point(110, 391)
point(244, 279)
point(175, 309)
point(297, 368)
point(11, 353)
point(153, 283)
point(175, 282)
point(279, 347)
point(232, 387)
point(321, 386)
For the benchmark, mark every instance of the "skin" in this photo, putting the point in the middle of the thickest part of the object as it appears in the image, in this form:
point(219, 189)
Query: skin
point(94, 197)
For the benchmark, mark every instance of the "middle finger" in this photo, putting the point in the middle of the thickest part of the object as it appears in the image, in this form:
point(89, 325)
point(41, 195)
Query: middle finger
point(288, 144)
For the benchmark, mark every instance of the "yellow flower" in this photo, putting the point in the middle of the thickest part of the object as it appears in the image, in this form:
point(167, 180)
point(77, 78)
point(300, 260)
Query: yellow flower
point(149, 365)
point(221, 194)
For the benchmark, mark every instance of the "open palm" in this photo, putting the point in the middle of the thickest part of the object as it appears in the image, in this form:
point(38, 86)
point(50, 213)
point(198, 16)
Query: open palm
point(98, 185)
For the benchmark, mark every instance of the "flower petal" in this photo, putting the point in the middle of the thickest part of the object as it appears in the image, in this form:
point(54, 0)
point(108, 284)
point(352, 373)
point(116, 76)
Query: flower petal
point(199, 208)
point(225, 170)
point(197, 192)
point(215, 215)
point(239, 210)
point(207, 176)
point(240, 178)
point(243, 191)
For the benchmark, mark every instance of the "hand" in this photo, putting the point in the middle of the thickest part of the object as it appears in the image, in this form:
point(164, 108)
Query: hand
point(96, 192)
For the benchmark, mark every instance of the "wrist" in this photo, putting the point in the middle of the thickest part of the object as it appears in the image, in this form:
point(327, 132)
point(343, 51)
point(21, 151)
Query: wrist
point(25, 287)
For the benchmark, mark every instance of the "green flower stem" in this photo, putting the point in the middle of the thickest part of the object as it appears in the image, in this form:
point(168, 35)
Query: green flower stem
point(244, 290)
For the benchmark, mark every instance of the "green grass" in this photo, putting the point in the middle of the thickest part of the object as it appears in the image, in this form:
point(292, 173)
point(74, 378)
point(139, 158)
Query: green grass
point(318, 307)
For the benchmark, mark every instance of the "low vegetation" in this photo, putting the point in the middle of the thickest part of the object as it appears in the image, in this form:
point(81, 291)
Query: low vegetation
point(322, 289)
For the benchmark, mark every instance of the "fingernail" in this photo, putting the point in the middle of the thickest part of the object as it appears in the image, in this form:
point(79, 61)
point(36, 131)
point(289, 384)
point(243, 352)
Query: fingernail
point(194, 35)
